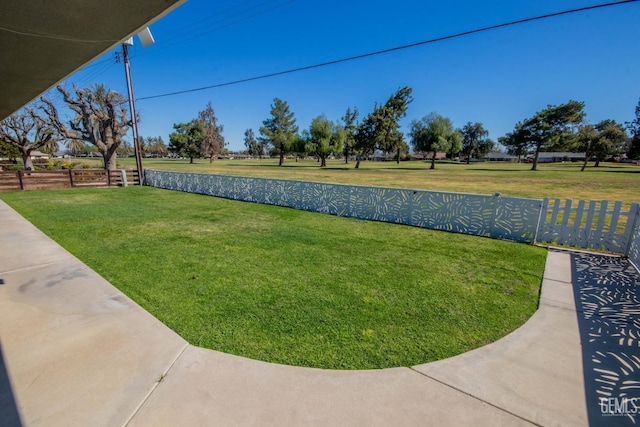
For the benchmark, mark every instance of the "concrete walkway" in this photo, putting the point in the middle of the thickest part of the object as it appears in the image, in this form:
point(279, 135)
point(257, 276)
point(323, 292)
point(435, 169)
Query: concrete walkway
point(75, 351)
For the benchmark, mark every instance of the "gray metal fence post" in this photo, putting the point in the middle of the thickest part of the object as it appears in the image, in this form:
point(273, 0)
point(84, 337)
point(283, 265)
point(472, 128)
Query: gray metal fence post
point(635, 212)
point(125, 183)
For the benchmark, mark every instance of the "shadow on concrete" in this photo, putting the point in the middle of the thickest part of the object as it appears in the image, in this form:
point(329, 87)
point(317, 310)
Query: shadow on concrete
point(607, 296)
point(9, 414)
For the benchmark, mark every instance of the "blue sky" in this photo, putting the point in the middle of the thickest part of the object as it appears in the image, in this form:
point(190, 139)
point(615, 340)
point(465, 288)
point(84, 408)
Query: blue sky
point(497, 77)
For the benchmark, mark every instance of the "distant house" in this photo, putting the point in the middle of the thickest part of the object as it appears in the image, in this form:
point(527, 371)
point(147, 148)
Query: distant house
point(556, 157)
point(38, 155)
point(500, 157)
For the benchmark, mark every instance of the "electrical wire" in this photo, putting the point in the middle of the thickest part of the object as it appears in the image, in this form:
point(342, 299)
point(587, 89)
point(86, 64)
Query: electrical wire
point(393, 49)
point(207, 18)
point(176, 41)
point(55, 37)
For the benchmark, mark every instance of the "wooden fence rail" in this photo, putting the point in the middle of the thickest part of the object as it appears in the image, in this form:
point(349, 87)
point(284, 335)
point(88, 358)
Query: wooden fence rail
point(45, 180)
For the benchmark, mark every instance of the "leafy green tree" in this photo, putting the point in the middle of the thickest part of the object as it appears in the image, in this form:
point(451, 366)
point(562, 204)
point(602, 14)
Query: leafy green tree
point(634, 129)
point(320, 138)
point(213, 142)
point(157, 147)
point(254, 147)
point(515, 142)
point(603, 140)
point(100, 119)
point(455, 140)
point(301, 145)
point(391, 112)
point(187, 139)
point(143, 145)
point(8, 151)
point(152, 145)
point(26, 132)
point(432, 133)
point(279, 130)
point(350, 120)
point(366, 136)
point(339, 139)
point(381, 128)
point(552, 128)
point(474, 140)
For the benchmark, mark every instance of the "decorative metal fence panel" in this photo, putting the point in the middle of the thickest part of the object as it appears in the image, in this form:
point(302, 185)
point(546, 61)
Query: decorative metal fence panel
point(516, 219)
point(457, 212)
point(380, 204)
point(589, 225)
point(595, 225)
point(331, 199)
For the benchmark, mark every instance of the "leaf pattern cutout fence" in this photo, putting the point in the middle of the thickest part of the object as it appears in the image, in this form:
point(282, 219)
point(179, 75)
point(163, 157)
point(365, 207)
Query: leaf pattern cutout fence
point(591, 226)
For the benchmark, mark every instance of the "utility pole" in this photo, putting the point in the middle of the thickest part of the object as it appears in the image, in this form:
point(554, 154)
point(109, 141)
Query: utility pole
point(132, 107)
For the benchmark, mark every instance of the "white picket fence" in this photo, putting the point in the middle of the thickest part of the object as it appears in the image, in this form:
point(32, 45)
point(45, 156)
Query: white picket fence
point(588, 225)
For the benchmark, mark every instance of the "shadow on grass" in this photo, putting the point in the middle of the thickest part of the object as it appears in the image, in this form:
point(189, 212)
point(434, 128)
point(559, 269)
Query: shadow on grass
point(9, 414)
point(607, 304)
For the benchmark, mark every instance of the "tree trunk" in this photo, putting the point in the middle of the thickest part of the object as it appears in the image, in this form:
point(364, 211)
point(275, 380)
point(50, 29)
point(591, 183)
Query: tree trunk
point(398, 158)
point(281, 158)
point(26, 160)
point(358, 158)
point(584, 165)
point(597, 162)
point(109, 159)
point(324, 162)
point(190, 160)
point(469, 158)
point(535, 159)
point(433, 161)
point(346, 157)
point(210, 159)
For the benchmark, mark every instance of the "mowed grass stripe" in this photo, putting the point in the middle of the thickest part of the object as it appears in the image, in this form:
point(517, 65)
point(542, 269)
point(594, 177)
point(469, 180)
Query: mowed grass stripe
point(294, 287)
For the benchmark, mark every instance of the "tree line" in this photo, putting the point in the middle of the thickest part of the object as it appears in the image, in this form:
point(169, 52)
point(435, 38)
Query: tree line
point(100, 121)
point(555, 128)
point(377, 131)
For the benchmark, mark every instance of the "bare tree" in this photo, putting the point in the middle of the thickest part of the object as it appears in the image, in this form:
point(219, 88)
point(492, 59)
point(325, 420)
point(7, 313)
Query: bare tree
point(27, 132)
point(213, 140)
point(101, 119)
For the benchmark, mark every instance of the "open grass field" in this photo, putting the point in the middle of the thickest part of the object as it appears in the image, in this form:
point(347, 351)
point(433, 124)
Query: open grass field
point(289, 286)
point(562, 180)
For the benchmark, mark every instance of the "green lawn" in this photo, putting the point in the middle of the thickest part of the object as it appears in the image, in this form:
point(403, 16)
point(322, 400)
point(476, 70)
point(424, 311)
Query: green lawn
point(294, 287)
point(610, 181)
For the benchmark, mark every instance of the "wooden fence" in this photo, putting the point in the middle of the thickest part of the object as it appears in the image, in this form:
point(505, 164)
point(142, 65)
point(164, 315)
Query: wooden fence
point(45, 180)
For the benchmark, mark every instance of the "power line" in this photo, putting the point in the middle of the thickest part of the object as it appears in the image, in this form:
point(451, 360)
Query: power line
point(179, 39)
point(394, 49)
point(55, 36)
point(192, 26)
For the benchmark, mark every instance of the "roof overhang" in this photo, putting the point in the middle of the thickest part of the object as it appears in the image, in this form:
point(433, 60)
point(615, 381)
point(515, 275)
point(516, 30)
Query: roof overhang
point(42, 42)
